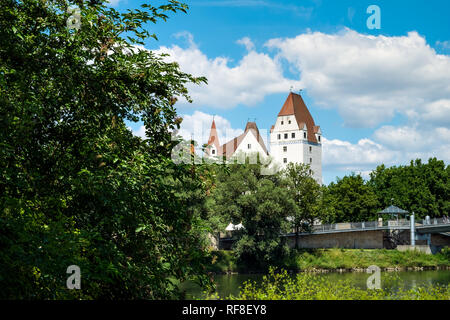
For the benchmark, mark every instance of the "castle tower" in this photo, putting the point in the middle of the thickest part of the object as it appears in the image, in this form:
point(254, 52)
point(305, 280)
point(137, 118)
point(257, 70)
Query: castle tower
point(213, 141)
point(295, 137)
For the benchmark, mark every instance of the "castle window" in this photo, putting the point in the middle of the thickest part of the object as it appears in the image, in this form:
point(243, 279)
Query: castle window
point(304, 135)
point(310, 149)
point(289, 121)
point(282, 122)
point(279, 136)
point(284, 149)
point(285, 160)
point(293, 135)
point(249, 146)
point(214, 152)
point(319, 138)
point(285, 135)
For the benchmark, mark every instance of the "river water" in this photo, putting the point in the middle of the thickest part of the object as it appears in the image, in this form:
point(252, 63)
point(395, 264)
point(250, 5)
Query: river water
point(229, 284)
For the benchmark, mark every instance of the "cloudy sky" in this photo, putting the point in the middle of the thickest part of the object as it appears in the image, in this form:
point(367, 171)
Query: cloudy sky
point(379, 95)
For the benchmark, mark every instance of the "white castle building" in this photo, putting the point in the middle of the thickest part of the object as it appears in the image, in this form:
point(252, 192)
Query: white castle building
point(294, 138)
point(249, 142)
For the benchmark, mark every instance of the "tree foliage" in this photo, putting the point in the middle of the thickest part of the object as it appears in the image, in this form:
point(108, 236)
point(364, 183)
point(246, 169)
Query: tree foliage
point(76, 186)
point(261, 203)
point(422, 188)
point(350, 199)
point(306, 193)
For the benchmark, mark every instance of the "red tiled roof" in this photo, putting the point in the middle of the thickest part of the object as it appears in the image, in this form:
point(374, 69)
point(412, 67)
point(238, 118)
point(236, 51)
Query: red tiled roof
point(294, 105)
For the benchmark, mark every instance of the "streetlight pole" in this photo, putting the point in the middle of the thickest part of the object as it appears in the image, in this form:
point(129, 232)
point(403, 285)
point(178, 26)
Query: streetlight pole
point(413, 227)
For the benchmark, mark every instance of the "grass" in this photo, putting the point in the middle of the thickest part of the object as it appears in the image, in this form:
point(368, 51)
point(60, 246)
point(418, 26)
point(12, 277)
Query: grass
point(303, 260)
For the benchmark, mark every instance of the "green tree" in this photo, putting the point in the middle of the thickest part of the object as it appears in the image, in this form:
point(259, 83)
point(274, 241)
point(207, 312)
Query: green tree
point(350, 199)
point(261, 203)
point(306, 193)
point(76, 186)
point(420, 188)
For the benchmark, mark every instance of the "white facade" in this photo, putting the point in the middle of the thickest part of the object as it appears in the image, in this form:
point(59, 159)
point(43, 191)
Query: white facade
point(290, 142)
point(250, 145)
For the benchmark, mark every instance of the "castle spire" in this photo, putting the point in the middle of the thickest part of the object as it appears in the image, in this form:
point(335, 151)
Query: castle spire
point(294, 105)
point(213, 137)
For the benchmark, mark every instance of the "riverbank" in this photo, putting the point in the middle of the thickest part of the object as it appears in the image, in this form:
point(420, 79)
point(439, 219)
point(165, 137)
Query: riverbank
point(339, 260)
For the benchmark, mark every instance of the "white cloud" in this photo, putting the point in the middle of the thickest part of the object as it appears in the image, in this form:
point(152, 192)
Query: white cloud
point(435, 113)
point(139, 132)
point(390, 145)
point(368, 78)
point(413, 139)
point(247, 43)
point(255, 76)
point(354, 157)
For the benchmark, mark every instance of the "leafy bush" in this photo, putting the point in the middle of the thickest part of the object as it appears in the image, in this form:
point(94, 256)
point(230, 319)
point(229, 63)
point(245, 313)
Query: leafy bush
point(77, 187)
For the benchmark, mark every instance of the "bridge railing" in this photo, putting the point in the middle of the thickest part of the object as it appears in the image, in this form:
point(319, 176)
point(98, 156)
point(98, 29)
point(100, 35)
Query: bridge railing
point(360, 225)
point(432, 221)
point(397, 223)
point(401, 223)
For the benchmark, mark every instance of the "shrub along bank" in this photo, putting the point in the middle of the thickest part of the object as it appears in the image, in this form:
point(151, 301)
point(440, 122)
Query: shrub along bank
point(332, 259)
point(305, 286)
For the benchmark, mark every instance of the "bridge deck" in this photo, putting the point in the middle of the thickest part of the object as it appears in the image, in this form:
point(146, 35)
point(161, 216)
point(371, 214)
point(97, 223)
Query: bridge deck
point(437, 225)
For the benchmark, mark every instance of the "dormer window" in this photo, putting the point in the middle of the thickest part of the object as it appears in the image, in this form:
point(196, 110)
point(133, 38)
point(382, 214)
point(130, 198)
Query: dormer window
point(282, 122)
point(304, 135)
point(214, 152)
point(289, 121)
point(318, 138)
point(249, 146)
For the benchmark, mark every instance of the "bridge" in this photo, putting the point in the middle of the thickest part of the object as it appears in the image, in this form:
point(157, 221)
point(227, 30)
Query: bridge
point(368, 235)
point(426, 226)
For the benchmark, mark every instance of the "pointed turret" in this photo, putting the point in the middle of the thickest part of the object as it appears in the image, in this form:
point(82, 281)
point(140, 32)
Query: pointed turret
point(213, 137)
point(294, 105)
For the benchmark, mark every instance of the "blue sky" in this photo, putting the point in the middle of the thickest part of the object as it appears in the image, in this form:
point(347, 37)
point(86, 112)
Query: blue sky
point(380, 96)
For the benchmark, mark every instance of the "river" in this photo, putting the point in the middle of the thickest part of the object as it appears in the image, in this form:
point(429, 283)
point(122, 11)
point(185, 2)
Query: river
point(229, 284)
